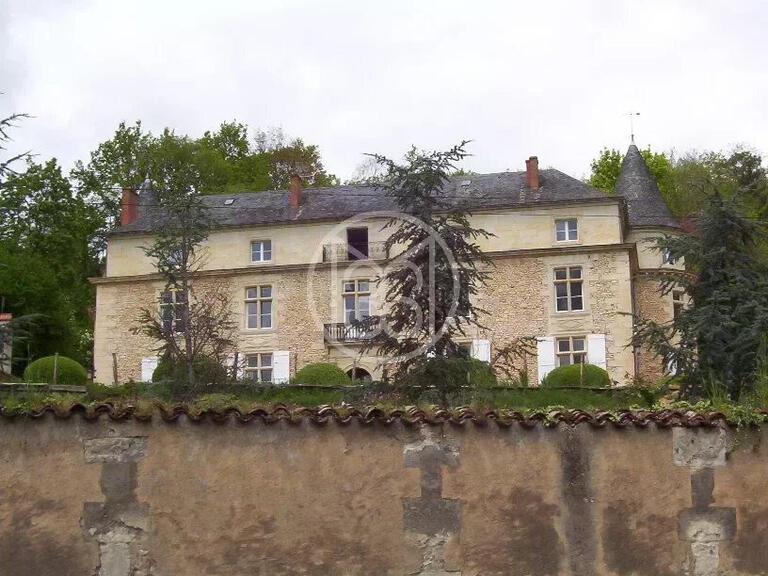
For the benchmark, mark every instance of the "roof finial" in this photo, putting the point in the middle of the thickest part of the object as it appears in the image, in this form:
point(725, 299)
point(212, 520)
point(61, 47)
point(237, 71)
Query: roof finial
point(632, 125)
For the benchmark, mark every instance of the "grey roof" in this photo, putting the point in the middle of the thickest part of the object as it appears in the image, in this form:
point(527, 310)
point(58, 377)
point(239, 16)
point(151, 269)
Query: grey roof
point(476, 191)
point(645, 204)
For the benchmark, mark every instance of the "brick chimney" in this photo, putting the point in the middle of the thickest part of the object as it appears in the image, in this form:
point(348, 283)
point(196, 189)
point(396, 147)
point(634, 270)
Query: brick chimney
point(295, 190)
point(129, 207)
point(532, 172)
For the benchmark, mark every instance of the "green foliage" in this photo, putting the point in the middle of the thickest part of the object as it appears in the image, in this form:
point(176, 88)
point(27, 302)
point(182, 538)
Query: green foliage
point(428, 291)
point(323, 374)
point(440, 378)
point(577, 375)
point(68, 371)
point(47, 255)
point(207, 371)
point(687, 181)
point(606, 167)
point(716, 340)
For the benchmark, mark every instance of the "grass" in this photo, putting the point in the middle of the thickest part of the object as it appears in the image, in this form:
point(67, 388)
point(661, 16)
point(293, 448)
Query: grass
point(145, 398)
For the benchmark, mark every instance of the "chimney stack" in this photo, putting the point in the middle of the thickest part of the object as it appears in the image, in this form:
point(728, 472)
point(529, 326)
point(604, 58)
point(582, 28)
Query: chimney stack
point(532, 172)
point(129, 207)
point(295, 190)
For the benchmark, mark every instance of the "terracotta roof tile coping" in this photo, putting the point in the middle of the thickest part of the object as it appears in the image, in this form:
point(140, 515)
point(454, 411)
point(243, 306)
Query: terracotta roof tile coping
point(409, 416)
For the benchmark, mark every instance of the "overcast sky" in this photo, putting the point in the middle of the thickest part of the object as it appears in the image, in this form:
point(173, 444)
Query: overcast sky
point(554, 79)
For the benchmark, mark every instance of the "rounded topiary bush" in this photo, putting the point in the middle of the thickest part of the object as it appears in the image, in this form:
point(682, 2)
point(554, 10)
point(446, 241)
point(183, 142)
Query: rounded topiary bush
point(68, 371)
point(581, 375)
point(323, 374)
point(452, 373)
point(207, 371)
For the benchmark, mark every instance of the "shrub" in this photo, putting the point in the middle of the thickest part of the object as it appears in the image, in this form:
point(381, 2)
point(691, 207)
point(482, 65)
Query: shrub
point(68, 371)
point(207, 371)
point(323, 374)
point(441, 379)
point(578, 375)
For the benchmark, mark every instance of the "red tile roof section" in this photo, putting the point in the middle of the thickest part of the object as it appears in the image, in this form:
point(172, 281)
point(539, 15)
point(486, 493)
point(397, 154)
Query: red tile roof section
point(408, 417)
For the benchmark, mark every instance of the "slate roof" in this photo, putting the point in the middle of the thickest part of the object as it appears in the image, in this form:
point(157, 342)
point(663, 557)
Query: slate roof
point(636, 184)
point(476, 191)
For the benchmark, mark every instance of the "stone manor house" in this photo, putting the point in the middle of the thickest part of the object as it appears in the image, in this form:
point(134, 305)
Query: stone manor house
point(571, 264)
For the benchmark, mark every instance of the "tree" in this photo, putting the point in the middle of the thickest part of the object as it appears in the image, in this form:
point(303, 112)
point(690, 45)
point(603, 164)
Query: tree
point(429, 286)
point(184, 223)
point(46, 249)
point(5, 125)
point(606, 167)
point(686, 181)
point(716, 338)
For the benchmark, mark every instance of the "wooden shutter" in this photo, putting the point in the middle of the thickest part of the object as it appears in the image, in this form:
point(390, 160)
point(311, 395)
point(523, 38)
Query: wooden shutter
point(281, 366)
point(545, 353)
point(481, 350)
point(148, 366)
point(596, 350)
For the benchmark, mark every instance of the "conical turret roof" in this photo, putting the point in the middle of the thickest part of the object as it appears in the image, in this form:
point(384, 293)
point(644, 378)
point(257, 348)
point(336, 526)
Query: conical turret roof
point(645, 204)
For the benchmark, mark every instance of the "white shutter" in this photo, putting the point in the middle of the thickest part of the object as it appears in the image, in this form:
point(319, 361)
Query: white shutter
point(240, 365)
point(281, 366)
point(596, 349)
point(481, 350)
point(545, 352)
point(148, 366)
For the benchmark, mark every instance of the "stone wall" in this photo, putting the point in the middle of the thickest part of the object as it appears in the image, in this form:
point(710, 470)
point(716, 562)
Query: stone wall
point(651, 305)
point(519, 299)
point(126, 498)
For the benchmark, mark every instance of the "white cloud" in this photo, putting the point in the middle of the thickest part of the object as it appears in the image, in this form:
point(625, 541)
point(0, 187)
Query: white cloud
point(547, 78)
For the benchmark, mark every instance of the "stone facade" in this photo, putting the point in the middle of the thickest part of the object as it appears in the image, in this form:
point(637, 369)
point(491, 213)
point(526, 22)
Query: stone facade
point(128, 498)
point(650, 305)
point(519, 299)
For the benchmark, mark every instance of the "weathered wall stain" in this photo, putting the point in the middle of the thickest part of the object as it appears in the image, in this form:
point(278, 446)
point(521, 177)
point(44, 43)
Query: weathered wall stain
point(131, 499)
point(526, 540)
point(27, 547)
point(578, 500)
point(630, 540)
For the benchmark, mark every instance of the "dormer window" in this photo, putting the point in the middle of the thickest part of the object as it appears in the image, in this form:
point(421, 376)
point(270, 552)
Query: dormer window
point(667, 258)
point(566, 230)
point(261, 250)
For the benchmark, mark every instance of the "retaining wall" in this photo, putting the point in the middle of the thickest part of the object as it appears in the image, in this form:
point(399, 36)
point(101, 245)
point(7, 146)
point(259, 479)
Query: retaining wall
point(120, 498)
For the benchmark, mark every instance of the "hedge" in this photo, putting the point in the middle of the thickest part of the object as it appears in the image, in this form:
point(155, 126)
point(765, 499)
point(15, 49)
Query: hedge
point(578, 375)
point(207, 371)
point(68, 371)
point(323, 374)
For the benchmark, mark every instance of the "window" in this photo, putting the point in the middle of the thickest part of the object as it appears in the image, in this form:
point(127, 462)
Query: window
point(258, 367)
point(667, 258)
point(357, 300)
point(571, 350)
point(566, 230)
point(258, 307)
point(357, 243)
point(678, 302)
point(261, 250)
point(171, 305)
point(569, 289)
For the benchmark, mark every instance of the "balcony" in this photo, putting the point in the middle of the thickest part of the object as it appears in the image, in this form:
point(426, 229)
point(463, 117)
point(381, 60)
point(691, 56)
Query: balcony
point(340, 333)
point(354, 251)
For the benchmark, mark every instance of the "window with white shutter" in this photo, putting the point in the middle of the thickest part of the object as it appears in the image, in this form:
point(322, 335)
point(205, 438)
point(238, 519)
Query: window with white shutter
point(596, 350)
point(481, 350)
point(545, 355)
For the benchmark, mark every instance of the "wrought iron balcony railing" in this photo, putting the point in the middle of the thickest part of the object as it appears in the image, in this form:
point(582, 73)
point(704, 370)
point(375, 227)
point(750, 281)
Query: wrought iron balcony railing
point(351, 251)
point(340, 333)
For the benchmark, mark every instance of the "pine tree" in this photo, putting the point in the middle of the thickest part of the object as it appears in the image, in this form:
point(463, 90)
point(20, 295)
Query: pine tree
point(717, 337)
point(430, 283)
